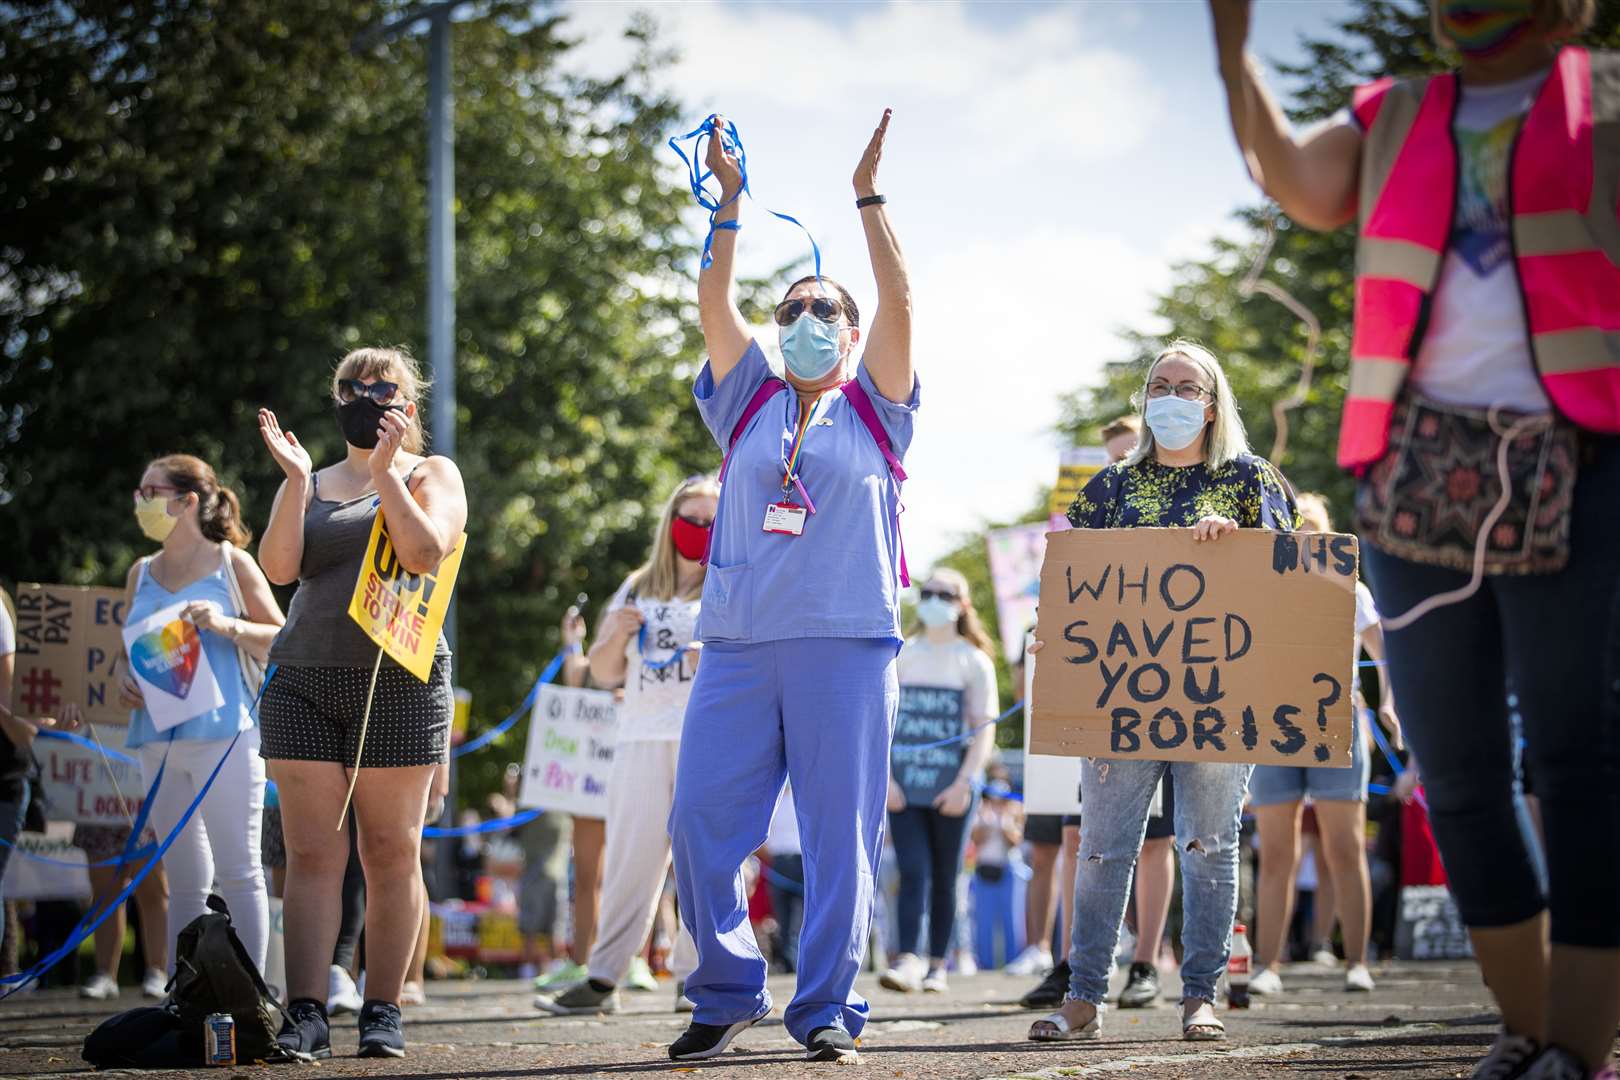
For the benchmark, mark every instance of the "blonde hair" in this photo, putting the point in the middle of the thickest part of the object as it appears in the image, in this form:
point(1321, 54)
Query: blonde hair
point(658, 577)
point(1313, 511)
point(1558, 19)
point(1224, 439)
point(395, 365)
point(968, 624)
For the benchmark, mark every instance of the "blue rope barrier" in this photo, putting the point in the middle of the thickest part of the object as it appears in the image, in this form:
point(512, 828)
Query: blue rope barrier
point(523, 817)
point(546, 676)
point(80, 740)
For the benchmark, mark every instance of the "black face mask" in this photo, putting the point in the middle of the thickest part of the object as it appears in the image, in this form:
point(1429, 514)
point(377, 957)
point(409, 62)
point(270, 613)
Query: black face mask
point(360, 419)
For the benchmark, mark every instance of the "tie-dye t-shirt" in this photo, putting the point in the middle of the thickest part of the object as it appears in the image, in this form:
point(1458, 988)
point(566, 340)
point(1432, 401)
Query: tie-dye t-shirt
point(1476, 351)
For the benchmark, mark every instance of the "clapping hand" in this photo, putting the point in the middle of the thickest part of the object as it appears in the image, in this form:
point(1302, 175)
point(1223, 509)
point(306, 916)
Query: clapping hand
point(284, 447)
point(866, 171)
point(390, 437)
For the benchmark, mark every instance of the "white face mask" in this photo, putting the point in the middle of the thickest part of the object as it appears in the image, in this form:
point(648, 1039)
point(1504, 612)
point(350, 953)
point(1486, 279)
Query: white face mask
point(936, 612)
point(1175, 423)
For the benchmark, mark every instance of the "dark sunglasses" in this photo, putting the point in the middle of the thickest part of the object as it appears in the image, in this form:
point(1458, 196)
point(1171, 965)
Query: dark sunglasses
point(150, 491)
point(824, 308)
point(938, 594)
point(382, 393)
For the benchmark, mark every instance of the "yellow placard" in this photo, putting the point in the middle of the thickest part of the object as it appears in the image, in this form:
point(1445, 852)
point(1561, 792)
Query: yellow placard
point(401, 611)
point(1077, 466)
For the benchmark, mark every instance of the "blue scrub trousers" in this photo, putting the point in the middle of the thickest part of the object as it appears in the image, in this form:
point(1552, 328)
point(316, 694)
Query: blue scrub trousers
point(819, 711)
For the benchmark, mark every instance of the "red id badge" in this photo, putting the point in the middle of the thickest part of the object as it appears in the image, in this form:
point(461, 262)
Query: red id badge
point(785, 518)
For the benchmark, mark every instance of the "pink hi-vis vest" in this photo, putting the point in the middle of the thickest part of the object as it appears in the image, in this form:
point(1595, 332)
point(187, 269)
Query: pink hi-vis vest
point(1564, 200)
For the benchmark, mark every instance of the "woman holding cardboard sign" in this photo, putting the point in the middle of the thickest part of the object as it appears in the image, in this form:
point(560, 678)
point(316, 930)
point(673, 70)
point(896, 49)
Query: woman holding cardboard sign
point(1191, 469)
point(320, 529)
point(946, 674)
point(800, 628)
point(199, 618)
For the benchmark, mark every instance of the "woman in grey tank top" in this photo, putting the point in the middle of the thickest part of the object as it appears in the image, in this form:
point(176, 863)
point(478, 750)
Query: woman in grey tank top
point(311, 713)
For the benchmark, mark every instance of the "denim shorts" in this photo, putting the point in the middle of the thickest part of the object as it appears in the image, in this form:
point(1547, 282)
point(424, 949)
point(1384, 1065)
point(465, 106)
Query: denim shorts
point(1274, 784)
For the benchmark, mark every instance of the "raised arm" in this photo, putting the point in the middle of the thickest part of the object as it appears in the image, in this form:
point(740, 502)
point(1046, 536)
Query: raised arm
point(888, 343)
point(1312, 175)
point(281, 548)
point(725, 333)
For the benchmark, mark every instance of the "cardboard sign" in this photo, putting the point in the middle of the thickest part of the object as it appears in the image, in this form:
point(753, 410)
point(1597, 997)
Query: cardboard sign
point(1076, 467)
point(928, 715)
point(69, 649)
point(76, 785)
point(31, 879)
point(1051, 784)
point(401, 611)
point(1429, 927)
point(1016, 555)
point(167, 658)
point(570, 754)
point(1162, 647)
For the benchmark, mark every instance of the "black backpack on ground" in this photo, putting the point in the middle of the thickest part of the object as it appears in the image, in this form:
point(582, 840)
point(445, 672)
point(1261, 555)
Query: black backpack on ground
point(212, 974)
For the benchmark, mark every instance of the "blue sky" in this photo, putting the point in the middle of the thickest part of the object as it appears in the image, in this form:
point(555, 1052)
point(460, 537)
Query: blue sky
point(1046, 166)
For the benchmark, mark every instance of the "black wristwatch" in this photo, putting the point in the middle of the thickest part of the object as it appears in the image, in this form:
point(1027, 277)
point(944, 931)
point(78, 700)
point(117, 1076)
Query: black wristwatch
point(870, 200)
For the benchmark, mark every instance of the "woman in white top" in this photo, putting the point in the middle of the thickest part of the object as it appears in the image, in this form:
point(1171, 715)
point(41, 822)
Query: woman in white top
point(647, 646)
point(947, 690)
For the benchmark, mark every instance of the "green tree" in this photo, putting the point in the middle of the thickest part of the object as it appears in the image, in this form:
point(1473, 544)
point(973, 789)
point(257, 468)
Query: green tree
point(204, 203)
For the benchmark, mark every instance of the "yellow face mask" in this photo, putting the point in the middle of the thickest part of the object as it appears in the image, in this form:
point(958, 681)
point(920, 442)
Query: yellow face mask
point(153, 517)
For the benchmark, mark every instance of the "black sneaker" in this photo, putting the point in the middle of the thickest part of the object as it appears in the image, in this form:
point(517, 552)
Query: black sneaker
point(582, 999)
point(1053, 989)
point(1142, 990)
point(701, 1041)
point(306, 1034)
point(380, 1031)
point(831, 1044)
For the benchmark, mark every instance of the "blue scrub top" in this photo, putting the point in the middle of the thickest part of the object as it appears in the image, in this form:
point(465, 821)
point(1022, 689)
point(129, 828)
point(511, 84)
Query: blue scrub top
point(841, 578)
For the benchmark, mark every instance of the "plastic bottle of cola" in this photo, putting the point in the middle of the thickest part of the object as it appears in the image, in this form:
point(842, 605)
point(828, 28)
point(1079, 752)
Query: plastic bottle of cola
point(1238, 965)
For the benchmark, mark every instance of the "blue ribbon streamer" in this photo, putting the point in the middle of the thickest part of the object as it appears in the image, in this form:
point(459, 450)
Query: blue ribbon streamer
point(83, 931)
point(968, 734)
point(660, 665)
point(139, 853)
point(698, 175)
point(522, 817)
point(546, 676)
point(80, 740)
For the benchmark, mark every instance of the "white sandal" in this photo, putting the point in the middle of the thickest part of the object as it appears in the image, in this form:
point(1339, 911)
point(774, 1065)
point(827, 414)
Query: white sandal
point(1201, 1025)
point(1062, 1032)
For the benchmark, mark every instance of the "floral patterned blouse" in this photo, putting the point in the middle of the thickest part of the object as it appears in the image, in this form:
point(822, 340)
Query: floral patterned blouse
point(1249, 490)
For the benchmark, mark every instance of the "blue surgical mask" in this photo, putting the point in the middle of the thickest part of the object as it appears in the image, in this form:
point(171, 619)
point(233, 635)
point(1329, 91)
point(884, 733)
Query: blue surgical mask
point(1175, 423)
point(810, 348)
point(935, 612)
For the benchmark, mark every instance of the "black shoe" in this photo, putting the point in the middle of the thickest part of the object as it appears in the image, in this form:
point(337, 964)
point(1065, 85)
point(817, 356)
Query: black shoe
point(1143, 988)
point(306, 1034)
point(831, 1044)
point(1053, 989)
point(380, 1031)
point(708, 1040)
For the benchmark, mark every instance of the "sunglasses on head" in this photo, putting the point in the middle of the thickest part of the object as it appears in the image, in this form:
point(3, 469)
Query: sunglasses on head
point(382, 393)
point(824, 308)
point(938, 594)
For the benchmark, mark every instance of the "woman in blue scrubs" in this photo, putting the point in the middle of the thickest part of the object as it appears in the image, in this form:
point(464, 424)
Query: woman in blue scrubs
point(800, 628)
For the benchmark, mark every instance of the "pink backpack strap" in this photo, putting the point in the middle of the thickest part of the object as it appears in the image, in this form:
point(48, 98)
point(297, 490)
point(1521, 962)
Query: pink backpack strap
point(767, 390)
point(862, 402)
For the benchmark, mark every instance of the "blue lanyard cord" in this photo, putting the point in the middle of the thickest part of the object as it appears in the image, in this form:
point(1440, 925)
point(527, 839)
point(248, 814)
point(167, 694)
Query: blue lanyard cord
point(87, 926)
point(698, 175)
point(546, 676)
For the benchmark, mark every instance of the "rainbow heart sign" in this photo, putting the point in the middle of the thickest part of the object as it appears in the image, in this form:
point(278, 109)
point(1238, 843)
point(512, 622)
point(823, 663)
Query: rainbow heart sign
point(170, 664)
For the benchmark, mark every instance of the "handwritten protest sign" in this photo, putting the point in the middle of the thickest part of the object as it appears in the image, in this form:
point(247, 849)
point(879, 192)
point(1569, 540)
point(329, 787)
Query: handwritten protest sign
point(69, 649)
point(38, 879)
point(1016, 554)
point(170, 665)
point(77, 785)
point(571, 737)
point(401, 611)
point(1164, 648)
point(928, 715)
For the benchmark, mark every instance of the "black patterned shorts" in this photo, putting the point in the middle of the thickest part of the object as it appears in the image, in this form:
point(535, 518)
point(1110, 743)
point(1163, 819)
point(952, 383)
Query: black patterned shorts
point(313, 714)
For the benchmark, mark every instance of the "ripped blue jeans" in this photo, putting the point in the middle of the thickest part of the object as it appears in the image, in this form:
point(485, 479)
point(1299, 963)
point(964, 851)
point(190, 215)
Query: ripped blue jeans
point(1115, 796)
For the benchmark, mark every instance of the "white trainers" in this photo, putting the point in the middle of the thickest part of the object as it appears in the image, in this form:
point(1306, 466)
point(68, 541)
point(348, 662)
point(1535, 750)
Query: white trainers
point(935, 982)
point(1033, 961)
point(1325, 957)
point(99, 988)
point(1358, 979)
point(907, 974)
point(1265, 982)
point(412, 993)
point(341, 995)
point(156, 983)
point(1509, 1056)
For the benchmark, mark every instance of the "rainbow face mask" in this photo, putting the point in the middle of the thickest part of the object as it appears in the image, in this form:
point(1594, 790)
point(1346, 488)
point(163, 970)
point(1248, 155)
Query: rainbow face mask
point(1484, 28)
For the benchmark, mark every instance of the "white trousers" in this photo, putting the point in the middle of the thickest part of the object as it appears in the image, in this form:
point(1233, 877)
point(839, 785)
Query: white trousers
point(641, 789)
point(220, 844)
